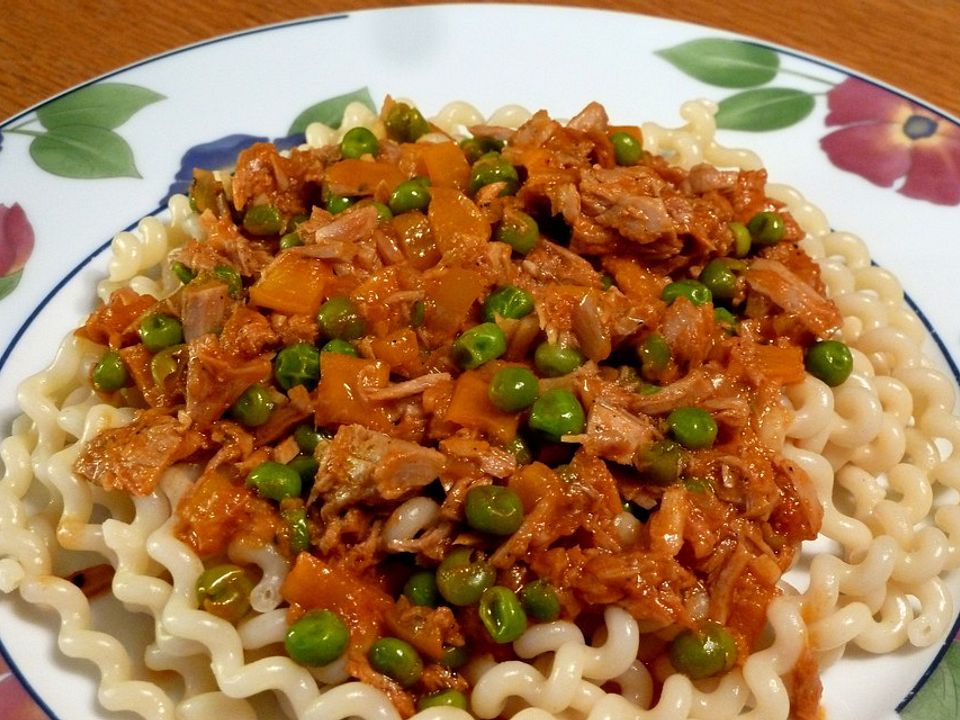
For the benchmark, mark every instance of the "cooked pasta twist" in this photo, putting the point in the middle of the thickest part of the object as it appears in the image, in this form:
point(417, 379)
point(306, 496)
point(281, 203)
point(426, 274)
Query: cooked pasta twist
point(873, 447)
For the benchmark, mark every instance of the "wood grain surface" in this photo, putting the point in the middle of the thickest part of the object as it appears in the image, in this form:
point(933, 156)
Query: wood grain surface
point(47, 46)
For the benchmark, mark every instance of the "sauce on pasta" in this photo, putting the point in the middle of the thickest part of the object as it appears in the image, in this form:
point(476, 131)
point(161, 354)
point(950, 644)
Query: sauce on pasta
point(468, 387)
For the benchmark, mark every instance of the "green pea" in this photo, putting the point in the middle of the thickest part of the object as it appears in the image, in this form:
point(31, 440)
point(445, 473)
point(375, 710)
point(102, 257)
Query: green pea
point(606, 281)
point(421, 589)
point(297, 364)
point(638, 511)
point(409, 195)
point(253, 407)
point(110, 373)
point(766, 228)
point(297, 528)
point(405, 123)
point(231, 277)
point(166, 362)
point(384, 213)
point(359, 141)
point(693, 290)
point(275, 481)
point(160, 331)
point(719, 278)
point(741, 239)
point(307, 438)
point(725, 319)
point(317, 639)
point(830, 361)
point(224, 590)
point(479, 344)
point(336, 204)
point(521, 451)
point(340, 346)
point(660, 462)
point(462, 580)
point(182, 272)
point(557, 360)
point(306, 467)
point(692, 427)
point(339, 318)
point(540, 600)
point(454, 656)
point(443, 698)
point(654, 354)
point(476, 147)
point(518, 230)
point(296, 221)
point(494, 168)
point(262, 220)
point(418, 312)
point(697, 484)
point(396, 659)
point(502, 614)
point(509, 302)
point(702, 654)
point(557, 413)
point(493, 509)
point(290, 239)
point(513, 389)
point(626, 148)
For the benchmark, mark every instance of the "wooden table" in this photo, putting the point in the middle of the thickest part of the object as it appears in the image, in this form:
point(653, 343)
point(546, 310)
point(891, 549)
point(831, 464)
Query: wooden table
point(47, 46)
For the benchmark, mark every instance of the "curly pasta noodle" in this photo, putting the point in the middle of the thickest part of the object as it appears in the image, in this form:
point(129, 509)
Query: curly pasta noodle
point(882, 450)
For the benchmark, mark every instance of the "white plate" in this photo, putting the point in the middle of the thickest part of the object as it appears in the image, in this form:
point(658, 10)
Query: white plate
point(258, 82)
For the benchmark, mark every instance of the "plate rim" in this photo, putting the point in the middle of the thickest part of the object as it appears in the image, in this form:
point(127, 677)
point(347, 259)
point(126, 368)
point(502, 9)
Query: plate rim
point(547, 9)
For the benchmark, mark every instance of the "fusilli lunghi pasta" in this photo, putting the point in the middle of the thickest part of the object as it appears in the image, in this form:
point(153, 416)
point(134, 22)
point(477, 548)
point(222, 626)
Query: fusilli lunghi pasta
point(881, 450)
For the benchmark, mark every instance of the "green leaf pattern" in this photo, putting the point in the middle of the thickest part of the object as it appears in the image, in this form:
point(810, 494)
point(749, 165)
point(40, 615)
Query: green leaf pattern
point(771, 108)
point(742, 65)
point(83, 151)
point(940, 695)
point(108, 105)
point(330, 111)
point(724, 63)
point(79, 138)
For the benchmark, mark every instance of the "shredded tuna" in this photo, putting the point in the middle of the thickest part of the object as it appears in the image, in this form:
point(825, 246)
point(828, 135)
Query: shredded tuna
point(362, 465)
point(133, 458)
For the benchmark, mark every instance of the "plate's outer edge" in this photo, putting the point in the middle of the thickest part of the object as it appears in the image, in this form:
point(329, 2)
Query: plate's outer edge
point(28, 310)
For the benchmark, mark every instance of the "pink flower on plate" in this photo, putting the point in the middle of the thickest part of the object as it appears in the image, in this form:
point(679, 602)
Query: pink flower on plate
point(15, 703)
point(885, 138)
point(16, 244)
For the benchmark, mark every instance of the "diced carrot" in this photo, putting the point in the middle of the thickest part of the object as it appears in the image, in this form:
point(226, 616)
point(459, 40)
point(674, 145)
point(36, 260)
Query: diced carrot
point(217, 508)
point(340, 398)
point(444, 163)
point(459, 228)
point(416, 239)
point(470, 407)
point(313, 584)
point(293, 284)
point(400, 350)
point(635, 281)
point(448, 297)
point(535, 483)
point(371, 294)
point(781, 364)
point(355, 177)
point(112, 324)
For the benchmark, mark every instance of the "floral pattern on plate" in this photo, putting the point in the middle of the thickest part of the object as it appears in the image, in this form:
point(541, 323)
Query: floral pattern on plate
point(882, 136)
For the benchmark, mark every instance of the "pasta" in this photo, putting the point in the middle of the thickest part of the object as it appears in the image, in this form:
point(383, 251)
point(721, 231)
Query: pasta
point(880, 449)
